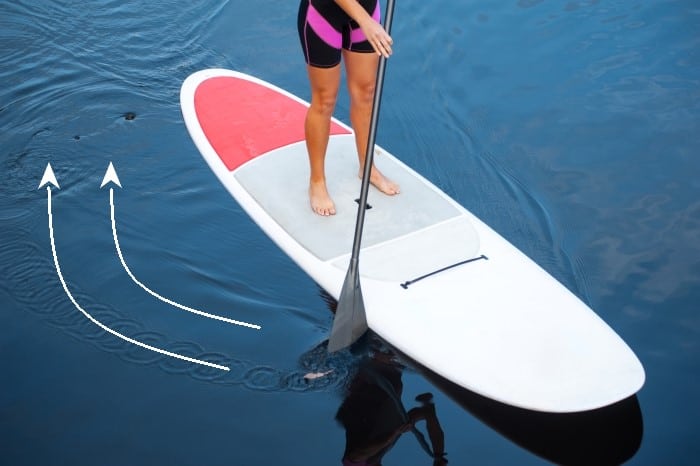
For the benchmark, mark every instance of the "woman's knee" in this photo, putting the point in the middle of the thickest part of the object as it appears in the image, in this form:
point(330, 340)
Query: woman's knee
point(324, 101)
point(362, 93)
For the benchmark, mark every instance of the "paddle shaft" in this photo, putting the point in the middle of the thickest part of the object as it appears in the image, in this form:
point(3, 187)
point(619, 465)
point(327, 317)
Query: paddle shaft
point(350, 321)
point(369, 153)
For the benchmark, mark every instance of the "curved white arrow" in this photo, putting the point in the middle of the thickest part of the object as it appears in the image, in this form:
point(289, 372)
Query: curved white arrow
point(111, 176)
point(51, 179)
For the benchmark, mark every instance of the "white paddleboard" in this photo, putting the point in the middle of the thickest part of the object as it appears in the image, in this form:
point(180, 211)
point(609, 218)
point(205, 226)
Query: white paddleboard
point(438, 284)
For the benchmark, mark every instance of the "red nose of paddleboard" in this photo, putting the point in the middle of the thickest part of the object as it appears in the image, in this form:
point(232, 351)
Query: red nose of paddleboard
point(243, 120)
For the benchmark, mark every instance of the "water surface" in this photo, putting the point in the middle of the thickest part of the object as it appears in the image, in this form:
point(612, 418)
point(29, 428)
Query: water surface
point(569, 127)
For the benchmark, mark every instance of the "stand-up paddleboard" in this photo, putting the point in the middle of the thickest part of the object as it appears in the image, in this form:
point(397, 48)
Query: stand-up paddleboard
point(438, 284)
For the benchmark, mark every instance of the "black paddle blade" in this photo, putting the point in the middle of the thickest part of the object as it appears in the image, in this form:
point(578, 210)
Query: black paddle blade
point(350, 321)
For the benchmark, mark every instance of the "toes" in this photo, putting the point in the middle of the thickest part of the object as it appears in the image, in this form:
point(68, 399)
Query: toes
point(323, 211)
point(321, 203)
point(383, 184)
point(389, 188)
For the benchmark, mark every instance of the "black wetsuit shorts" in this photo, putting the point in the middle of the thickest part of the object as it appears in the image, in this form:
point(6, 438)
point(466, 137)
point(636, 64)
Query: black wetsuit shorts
point(325, 29)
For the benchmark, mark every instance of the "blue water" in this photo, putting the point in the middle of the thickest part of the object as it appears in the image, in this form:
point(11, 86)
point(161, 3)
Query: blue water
point(570, 127)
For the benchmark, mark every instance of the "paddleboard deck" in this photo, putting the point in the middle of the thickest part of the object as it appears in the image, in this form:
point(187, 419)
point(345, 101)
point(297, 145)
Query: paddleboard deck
point(438, 283)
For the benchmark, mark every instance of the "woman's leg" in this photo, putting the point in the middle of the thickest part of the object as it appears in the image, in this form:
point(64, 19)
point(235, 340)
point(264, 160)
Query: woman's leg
point(361, 71)
point(324, 91)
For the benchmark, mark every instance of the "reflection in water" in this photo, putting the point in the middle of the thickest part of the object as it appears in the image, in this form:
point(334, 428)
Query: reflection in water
point(374, 417)
point(372, 412)
point(606, 436)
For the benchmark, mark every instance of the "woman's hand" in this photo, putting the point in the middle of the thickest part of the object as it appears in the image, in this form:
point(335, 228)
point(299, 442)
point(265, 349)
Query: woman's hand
point(377, 37)
point(380, 41)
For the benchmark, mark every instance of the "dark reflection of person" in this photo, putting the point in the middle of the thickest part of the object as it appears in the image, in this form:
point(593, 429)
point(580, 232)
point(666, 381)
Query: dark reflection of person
point(374, 416)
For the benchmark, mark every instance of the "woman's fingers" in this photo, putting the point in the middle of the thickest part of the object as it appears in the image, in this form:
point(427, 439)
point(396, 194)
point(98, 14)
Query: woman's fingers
point(379, 39)
point(383, 46)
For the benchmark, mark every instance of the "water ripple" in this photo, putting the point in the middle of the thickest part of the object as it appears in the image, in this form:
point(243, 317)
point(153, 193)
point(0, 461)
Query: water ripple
point(76, 46)
point(33, 284)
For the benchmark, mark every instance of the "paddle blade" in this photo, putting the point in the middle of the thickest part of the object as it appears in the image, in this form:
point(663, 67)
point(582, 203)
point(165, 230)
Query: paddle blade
point(350, 321)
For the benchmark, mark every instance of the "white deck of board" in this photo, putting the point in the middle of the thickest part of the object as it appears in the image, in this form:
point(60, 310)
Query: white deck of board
point(502, 327)
point(532, 342)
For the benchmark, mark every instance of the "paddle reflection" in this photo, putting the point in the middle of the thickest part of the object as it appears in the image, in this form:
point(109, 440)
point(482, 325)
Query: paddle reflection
point(374, 416)
point(372, 412)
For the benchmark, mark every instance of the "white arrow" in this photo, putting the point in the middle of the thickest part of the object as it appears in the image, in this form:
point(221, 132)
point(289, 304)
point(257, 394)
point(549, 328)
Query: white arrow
point(48, 177)
point(52, 179)
point(111, 175)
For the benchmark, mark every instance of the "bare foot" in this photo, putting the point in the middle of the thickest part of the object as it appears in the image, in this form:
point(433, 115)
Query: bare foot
point(321, 201)
point(382, 183)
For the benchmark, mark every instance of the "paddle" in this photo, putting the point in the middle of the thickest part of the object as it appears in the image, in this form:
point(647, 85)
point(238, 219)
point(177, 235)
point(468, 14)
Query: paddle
point(350, 321)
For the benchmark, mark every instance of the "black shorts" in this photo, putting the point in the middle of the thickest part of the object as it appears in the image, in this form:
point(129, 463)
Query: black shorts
point(325, 29)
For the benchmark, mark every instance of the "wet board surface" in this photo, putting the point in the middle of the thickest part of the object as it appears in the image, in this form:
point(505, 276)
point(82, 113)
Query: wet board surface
point(485, 316)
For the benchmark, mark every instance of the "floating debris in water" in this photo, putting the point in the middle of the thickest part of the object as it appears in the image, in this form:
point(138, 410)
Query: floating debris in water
point(129, 116)
point(316, 375)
